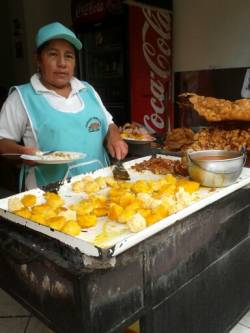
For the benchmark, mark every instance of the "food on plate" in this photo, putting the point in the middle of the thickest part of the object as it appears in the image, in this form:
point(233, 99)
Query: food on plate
point(135, 131)
point(216, 109)
point(162, 166)
point(58, 156)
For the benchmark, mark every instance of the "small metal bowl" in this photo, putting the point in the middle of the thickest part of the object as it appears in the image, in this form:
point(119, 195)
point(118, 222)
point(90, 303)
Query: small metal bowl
point(215, 168)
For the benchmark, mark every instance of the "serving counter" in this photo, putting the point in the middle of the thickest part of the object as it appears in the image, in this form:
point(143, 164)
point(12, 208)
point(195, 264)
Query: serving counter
point(193, 276)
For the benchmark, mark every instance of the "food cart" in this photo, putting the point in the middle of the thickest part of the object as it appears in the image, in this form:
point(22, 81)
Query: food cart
point(190, 274)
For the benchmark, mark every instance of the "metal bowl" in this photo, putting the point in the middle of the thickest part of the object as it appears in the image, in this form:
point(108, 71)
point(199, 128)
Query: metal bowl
point(215, 168)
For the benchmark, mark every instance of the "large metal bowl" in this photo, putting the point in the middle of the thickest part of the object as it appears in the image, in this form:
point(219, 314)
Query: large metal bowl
point(215, 168)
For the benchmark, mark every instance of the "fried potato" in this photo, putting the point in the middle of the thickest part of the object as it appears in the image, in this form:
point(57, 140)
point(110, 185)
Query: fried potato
point(53, 200)
point(71, 228)
point(24, 212)
point(86, 221)
point(28, 200)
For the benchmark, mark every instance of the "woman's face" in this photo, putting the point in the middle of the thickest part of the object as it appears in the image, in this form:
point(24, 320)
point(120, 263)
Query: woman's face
point(57, 63)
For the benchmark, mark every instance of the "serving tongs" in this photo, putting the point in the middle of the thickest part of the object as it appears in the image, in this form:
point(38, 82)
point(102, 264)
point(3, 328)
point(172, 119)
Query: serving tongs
point(119, 171)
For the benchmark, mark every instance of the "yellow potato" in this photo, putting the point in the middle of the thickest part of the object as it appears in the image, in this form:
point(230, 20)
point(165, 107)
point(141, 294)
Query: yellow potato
point(28, 200)
point(141, 186)
point(38, 218)
point(91, 187)
point(170, 179)
point(126, 215)
point(71, 228)
point(188, 185)
point(24, 212)
point(137, 223)
point(69, 214)
point(53, 200)
point(110, 181)
point(114, 211)
point(101, 182)
point(78, 186)
point(126, 199)
point(57, 224)
point(57, 219)
point(100, 211)
point(86, 221)
point(45, 210)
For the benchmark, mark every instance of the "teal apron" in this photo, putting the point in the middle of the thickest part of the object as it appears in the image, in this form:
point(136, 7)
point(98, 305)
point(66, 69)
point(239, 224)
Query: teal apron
point(83, 132)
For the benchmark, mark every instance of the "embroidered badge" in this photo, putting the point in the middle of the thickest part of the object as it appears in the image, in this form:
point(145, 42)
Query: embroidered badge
point(94, 124)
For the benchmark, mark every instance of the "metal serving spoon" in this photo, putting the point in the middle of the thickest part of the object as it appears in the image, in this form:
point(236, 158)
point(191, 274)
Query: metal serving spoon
point(119, 171)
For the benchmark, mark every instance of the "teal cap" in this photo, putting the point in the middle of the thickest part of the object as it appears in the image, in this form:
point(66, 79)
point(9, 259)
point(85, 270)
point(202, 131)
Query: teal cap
point(57, 31)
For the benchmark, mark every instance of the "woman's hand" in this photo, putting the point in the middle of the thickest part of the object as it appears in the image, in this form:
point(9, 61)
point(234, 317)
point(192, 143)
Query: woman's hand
point(117, 147)
point(8, 146)
point(29, 151)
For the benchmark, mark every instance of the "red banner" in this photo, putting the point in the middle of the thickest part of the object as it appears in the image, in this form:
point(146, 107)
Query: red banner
point(150, 61)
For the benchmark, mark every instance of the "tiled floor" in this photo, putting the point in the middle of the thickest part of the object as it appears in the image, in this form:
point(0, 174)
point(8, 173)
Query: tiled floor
point(15, 319)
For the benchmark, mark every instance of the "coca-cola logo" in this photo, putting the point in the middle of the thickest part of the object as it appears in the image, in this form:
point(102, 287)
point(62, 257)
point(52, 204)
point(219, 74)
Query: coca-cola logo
point(157, 54)
point(89, 9)
point(97, 9)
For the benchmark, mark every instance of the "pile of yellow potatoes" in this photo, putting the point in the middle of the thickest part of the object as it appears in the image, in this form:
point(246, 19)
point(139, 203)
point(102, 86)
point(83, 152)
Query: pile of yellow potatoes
point(136, 204)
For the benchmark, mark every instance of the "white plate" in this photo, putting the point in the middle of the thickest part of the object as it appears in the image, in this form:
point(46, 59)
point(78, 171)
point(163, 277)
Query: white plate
point(139, 142)
point(52, 159)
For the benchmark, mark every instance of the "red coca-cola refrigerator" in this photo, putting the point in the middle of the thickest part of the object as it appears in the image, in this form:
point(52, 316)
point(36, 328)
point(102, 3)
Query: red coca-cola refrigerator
point(127, 57)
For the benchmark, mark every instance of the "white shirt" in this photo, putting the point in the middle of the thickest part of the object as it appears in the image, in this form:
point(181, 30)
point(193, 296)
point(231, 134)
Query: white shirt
point(15, 124)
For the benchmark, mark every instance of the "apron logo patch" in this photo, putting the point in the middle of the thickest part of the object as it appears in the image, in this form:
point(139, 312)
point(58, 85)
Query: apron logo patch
point(93, 125)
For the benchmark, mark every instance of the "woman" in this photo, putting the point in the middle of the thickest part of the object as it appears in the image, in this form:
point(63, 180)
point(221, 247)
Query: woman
point(56, 111)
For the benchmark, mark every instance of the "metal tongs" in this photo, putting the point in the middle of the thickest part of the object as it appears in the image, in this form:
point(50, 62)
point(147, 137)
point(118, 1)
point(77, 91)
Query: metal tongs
point(119, 171)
